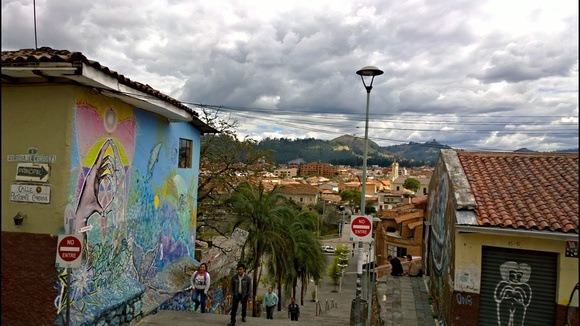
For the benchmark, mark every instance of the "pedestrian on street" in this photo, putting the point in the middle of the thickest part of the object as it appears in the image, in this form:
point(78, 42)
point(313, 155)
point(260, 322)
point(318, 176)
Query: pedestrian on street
point(200, 281)
point(240, 291)
point(270, 301)
point(396, 266)
point(293, 310)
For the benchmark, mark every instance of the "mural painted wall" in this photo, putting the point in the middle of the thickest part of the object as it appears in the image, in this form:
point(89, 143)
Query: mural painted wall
point(134, 207)
point(441, 240)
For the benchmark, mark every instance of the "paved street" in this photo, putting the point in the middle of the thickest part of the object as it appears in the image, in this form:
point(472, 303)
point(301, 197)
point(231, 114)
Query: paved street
point(403, 301)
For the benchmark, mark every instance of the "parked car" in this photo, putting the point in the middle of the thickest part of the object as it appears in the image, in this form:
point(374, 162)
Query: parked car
point(328, 249)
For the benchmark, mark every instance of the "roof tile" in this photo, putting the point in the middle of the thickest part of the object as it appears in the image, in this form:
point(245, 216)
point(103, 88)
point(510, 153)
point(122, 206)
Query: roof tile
point(524, 190)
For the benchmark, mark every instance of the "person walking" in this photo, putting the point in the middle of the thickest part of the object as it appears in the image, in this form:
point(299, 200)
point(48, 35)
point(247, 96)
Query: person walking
point(270, 301)
point(293, 310)
point(240, 291)
point(200, 281)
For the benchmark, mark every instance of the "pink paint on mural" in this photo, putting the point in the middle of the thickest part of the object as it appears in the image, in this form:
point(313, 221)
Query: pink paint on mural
point(93, 126)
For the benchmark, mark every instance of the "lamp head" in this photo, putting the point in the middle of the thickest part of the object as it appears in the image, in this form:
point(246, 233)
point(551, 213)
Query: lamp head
point(369, 71)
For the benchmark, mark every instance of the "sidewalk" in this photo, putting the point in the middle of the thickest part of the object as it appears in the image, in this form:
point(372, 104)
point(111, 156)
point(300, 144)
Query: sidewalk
point(403, 301)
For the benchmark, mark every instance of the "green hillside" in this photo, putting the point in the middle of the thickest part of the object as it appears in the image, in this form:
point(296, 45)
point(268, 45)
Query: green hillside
point(349, 150)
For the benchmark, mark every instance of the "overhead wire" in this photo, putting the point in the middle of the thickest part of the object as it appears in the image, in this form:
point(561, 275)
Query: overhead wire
point(302, 118)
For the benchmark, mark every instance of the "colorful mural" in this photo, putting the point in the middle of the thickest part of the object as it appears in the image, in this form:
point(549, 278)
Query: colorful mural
point(439, 246)
point(134, 207)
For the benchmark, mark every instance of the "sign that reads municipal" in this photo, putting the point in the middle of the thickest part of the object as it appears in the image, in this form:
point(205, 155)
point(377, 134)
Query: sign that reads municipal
point(361, 228)
point(30, 193)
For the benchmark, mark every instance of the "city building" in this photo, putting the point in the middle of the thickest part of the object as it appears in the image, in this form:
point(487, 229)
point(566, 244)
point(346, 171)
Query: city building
point(501, 238)
point(317, 168)
point(303, 194)
point(107, 163)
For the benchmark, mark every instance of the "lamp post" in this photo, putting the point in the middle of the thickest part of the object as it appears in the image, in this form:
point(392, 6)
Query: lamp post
point(368, 71)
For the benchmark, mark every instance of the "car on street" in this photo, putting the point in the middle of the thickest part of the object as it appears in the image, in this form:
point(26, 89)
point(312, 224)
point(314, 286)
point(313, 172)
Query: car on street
point(328, 249)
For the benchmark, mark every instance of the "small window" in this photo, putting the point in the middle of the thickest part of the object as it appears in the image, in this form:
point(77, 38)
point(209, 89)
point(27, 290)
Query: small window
point(184, 153)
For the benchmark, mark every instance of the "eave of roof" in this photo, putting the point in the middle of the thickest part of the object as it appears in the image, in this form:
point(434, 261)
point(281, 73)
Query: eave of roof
point(49, 64)
point(512, 232)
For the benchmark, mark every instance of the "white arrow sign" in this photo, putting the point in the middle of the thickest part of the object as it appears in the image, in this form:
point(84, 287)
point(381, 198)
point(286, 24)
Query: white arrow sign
point(85, 229)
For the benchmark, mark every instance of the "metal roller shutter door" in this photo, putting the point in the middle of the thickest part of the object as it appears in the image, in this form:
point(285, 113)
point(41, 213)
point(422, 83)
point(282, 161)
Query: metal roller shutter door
point(512, 279)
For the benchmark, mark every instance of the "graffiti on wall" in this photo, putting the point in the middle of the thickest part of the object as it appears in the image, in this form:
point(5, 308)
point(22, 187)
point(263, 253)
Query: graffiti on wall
point(439, 242)
point(513, 294)
point(138, 210)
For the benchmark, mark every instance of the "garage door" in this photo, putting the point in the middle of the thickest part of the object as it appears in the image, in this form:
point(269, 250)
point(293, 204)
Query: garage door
point(518, 287)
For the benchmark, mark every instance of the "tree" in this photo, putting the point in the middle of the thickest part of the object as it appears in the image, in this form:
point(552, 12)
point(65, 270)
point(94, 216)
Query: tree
point(225, 161)
point(308, 259)
point(352, 196)
point(412, 184)
point(262, 214)
point(335, 272)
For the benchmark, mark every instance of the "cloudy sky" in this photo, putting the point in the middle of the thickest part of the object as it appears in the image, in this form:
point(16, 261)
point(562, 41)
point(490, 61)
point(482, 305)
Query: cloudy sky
point(479, 75)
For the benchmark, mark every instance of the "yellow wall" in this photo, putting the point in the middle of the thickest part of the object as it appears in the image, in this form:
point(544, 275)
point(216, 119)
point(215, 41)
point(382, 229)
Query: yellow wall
point(468, 261)
point(41, 117)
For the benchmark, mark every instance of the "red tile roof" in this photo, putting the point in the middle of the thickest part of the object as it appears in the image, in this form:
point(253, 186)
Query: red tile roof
point(524, 190)
point(299, 189)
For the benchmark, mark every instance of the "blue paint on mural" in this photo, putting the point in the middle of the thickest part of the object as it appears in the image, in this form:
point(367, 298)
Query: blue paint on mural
point(138, 205)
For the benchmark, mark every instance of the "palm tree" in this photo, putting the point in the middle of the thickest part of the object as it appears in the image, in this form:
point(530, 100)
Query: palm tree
point(298, 256)
point(262, 214)
point(308, 258)
point(280, 266)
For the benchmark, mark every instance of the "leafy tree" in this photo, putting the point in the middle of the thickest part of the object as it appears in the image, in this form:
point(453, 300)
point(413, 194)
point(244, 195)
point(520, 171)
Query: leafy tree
point(297, 256)
point(262, 214)
point(223, 159)
point(352, 196)
point(370, 209)
point(335, 271)
point(307, 258)
point(412, 184)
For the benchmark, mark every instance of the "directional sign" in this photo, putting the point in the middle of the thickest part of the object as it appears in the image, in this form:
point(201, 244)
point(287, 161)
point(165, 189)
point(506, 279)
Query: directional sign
point(32, 172)
point(85, 228)
point(361, 228)
point(69, 251)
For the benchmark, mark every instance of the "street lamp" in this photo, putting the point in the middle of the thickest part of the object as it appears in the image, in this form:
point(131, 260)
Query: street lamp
point(368, 71)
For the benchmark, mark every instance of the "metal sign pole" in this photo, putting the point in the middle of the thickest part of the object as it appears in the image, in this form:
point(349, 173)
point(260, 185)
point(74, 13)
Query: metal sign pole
point(68, 296)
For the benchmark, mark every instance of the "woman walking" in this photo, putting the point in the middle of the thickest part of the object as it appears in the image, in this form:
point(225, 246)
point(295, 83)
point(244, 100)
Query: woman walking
point(200, 281)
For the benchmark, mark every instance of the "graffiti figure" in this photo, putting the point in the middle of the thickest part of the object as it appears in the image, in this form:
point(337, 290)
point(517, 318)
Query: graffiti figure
point(513, 294)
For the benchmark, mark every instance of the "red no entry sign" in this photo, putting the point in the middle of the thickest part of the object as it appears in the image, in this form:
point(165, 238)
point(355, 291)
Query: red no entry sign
point(69, 251)
point(361, 229)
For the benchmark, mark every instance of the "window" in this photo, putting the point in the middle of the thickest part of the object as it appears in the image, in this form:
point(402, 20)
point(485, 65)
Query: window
point(184, 153)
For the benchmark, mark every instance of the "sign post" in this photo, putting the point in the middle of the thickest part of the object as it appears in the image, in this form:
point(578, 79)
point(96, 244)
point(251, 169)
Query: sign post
point(361, 229)
point(69, 252)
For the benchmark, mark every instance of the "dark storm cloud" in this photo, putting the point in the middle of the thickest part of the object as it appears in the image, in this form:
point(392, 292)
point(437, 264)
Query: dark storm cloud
point(287, 69)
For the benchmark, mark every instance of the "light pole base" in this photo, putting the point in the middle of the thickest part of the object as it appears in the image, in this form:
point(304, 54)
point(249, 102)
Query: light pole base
point(364, 307)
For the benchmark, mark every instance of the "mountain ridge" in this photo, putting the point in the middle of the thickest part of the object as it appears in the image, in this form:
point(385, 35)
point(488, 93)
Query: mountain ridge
point(349, 150)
